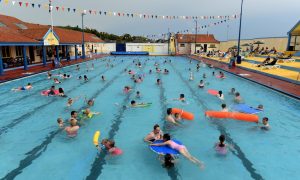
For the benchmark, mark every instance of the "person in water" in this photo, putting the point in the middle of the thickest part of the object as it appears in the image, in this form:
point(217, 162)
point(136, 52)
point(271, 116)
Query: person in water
point(201, 84)
point(260, 107)
point(138, 95)
point(170, 118)
point(191, 76)
point(85, 78)
point(181, 98)
point(23, 88)
point(60, 122)
point(224, 108)
point(73, 128)
point(265, 124)
point(154, 135)
point(87, 113)
point(204, 76)
point(89, 102)
point(220, 95)
point(52, 91)
point(71, 101)
point(168, 161)
point(232, 91)
point(221, 147)
point(158, 82)
point(49, 75)
point(112, 149)
point(127, 89)
point(56, 81)
point(180, 148)
point(237, 98)
point(61, 92)
point(103, 78)
point(74, 115)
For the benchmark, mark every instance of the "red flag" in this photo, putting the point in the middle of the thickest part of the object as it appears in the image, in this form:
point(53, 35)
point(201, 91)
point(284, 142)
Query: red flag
point(26, 4)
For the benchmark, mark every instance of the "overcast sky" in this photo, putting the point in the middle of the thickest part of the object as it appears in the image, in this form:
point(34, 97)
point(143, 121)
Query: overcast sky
point(261, 18)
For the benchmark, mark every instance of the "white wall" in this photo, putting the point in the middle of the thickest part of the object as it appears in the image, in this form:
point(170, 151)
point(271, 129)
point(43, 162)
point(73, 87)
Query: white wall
point(152, 48)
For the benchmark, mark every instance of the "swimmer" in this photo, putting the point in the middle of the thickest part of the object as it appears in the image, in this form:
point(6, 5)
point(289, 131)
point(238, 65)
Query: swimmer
point(154, 135)
point(112, 149)
point(61, 92)
point(180, 148)
point(49, 75)
point(232, 91)
point(73, 128)
point(77, 67)
point(52, 91)
point(150, 71)
point(221, 147)
point(181, 98)
point(89, 102)
point(201, 84)
point(56, 81)
point(79, 78)
point(224, 108)
point(177, 117)
point(191, 76)
point(204, 76)
point(168, 161)
point(170, 118)
point(213, 73)
point(23, 88)
point(74, 115)
point(103, 78)
point(158, 82)
point(60, 122)
point(85, 78)
point(87, 113)
point(71, 101)
point(158, 70)
point(220, 95)
point(138, 95)
point(265, 124)
point(237, 98)
point(260, 107)
point(221, 75)
point(127, 89)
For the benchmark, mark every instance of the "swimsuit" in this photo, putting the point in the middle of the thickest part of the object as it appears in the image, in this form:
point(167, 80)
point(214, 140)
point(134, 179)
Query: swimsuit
point(176, 146)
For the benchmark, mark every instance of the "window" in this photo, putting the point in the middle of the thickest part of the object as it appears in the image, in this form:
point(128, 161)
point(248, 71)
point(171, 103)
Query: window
point(182, 45)
point(5, 52)
point(198, 45)
point(19, 51)
point(21, 26)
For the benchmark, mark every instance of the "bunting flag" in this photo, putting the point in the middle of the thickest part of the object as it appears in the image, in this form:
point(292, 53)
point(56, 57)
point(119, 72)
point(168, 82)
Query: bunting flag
point(188, 31)
point(122, 14)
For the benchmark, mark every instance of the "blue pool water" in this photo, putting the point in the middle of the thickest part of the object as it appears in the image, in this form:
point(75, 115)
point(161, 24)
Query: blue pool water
point(33, 147)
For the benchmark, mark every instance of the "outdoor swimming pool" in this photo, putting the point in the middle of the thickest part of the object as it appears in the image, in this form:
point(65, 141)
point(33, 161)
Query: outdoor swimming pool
point(33, 147)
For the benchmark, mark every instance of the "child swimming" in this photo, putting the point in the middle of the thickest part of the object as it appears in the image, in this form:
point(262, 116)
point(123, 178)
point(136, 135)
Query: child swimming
point(23, 88)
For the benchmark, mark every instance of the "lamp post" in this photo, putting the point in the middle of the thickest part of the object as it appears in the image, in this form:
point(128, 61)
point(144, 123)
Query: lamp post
point(239, 58)
point(83, 49)
point(196, 35)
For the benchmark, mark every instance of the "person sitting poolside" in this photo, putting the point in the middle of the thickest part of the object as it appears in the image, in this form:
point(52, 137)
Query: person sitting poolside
point(154, 135)
point(267, 60)
point(23, 88)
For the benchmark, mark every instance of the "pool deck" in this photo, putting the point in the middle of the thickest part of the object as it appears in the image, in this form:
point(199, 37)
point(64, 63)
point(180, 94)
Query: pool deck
point(20, 73)
point(285, 87)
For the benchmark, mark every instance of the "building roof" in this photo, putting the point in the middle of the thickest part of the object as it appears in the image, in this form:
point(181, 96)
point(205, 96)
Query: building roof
point(15, 30)
point(296, 29)
point(200, 38)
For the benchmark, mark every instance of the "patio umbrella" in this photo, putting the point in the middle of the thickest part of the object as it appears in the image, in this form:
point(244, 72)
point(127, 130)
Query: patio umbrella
point(233, 47)
point(258, 42)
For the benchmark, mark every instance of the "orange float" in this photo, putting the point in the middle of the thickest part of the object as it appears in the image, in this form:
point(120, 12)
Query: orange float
point(233, 115)
point(184, 114)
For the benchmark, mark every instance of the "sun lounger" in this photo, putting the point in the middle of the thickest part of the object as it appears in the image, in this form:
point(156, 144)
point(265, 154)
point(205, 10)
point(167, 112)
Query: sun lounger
point(287, 60)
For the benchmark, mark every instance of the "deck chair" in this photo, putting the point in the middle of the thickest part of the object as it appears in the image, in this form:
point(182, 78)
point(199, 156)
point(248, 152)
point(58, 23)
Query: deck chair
point(271, 65)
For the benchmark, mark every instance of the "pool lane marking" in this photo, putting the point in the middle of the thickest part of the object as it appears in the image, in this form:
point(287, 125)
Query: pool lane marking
point(35, 110)
point(99, 162)
point(33, 92)
point(38, 150)
point(239, 153)
point(172, 172)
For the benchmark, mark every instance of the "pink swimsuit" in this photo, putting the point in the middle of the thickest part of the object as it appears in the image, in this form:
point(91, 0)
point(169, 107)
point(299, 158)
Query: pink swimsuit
point(176, 146)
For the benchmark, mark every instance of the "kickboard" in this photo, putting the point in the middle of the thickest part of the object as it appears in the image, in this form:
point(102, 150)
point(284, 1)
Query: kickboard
point(245, 109)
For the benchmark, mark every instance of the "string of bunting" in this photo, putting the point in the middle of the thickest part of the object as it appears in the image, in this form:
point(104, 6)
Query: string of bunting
point(108, 13)
point(165, 35)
